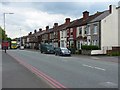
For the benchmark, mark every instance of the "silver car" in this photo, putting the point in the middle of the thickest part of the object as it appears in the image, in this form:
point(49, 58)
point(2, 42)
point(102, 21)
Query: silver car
point(62, 51)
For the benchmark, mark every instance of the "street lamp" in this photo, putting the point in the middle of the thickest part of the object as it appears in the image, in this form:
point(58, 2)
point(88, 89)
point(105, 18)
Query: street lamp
point(5, 18)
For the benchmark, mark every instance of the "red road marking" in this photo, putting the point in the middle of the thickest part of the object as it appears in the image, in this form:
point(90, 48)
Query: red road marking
point(53, 82)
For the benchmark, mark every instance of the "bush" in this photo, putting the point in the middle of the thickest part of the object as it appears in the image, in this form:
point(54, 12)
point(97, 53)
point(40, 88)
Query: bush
point(114, 54)
point(89, 47)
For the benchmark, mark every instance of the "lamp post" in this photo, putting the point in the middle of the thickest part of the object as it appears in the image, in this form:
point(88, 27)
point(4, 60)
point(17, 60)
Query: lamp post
point(3, 38)
point(5, 18)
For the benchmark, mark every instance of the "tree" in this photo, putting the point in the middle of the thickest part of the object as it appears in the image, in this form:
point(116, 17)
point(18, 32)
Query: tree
point(3, 36)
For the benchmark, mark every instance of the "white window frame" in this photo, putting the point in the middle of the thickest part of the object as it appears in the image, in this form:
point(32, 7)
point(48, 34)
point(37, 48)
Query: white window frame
point(71, 31)
point(89, 31)
point(62, 34)
point(85, 30)
point(95, 29)
point(80, 29)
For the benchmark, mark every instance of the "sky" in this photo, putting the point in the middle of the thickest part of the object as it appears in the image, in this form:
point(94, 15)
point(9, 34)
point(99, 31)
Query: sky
point(29, 15)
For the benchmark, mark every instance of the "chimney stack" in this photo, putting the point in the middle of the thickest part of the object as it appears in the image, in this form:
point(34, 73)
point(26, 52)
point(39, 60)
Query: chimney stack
point(110, 8)
point(67, 21)
point(55, 25)
point(47, 28)
point(85, 15)
point(30, 33)
point(35, 31)
point(40, 29)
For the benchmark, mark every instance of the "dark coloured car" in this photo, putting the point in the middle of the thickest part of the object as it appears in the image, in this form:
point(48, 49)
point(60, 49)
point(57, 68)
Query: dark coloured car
point(47, 48)
point(61, 51)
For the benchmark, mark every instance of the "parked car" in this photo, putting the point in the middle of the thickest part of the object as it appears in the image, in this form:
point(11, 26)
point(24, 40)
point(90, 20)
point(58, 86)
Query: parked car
point(47, 48)
point(61, 51)
point(21, 47)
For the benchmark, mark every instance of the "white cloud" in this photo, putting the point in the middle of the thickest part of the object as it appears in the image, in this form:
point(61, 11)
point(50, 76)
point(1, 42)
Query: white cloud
point(59, 1)
point(28, 19)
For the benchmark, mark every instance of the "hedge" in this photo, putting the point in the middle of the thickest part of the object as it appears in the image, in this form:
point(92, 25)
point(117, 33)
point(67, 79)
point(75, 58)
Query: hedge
point(114, 54)
point(89, 47)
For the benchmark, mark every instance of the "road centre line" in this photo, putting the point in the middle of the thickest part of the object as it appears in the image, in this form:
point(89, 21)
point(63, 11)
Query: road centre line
point(94, 67)
point(87, 66)
point(95, 58)
point(100, 68)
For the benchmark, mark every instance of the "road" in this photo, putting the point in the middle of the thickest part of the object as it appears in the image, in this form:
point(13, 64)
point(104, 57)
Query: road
point(15, 75)
point(70, 72)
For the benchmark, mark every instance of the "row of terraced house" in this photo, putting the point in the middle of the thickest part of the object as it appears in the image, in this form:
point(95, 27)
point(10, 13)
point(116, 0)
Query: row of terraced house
point(100, 29)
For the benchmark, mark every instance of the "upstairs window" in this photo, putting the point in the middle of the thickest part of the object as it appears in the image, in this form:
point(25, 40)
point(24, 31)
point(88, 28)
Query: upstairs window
point(80, 30)
point(85, 30)
point(88, 30)
point(71, 32)
point(62, 35)
point(95, 29)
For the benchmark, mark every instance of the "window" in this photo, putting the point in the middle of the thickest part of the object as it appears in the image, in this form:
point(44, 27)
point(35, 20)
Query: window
point(80, 30)
point(88, 32)
point(67, 32)
point(62, 43)
point(78, 44)
point(62, 34)
point(95, 42)
point(95, 29)
point(71, 32)
point(85, 30)
point(88, 42)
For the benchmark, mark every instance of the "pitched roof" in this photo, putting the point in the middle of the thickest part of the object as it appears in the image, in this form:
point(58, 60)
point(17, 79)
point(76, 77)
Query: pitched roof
point(40, 33)
point(49, 30)
point(62, 27)
point(100, 17)
point(81, 21)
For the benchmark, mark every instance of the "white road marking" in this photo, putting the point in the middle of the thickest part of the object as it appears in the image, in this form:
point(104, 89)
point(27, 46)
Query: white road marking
point(94, 67)
point(87, 66)
point(100, 68)
point(95, 58)
point(109, 84)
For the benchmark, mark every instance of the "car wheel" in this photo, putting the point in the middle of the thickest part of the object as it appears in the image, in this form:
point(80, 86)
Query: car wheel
point(55, 54)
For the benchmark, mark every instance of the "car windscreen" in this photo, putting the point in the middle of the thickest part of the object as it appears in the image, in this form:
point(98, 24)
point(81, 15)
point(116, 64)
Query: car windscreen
point(64, 49)
point(50, 47)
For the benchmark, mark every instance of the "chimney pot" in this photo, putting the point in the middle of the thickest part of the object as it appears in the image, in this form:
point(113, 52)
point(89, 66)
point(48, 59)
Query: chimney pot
point(110, 8)
point(55, 25)
point(67, 20)
point(40, 29)
point(35, 31)
point(47, 28)
point(30, 33)
point(85, 14)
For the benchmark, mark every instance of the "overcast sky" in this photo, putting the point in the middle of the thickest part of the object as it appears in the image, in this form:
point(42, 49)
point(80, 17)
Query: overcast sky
point(35, 14)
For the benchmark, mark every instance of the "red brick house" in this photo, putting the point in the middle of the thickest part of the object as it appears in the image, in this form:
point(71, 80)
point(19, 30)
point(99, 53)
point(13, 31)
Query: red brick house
point(77, 31)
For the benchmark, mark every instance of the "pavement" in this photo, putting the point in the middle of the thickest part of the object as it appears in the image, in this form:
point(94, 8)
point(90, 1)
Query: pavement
point(105, 58)
point(14, 75)
point(71, 72)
